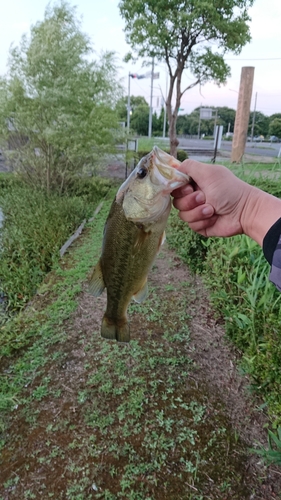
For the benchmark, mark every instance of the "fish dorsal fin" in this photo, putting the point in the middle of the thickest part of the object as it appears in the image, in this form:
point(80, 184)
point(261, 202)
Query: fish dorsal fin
point(141, 295)
point(95, 282)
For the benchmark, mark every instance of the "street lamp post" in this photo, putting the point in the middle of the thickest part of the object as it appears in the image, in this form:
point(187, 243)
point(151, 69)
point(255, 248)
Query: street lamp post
point(151, 96)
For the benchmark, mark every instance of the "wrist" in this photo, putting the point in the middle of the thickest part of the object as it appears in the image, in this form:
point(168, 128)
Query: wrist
point(261, 210)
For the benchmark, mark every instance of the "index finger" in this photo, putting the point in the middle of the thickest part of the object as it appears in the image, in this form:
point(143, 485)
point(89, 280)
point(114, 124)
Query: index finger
point(183, 191)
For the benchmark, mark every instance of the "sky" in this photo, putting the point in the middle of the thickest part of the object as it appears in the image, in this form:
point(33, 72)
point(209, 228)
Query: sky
point(102, 22)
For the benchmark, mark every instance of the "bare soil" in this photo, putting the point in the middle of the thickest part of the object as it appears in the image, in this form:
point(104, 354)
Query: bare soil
point(38, 453)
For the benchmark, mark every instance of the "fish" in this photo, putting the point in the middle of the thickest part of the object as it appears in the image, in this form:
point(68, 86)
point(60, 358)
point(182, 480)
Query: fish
point(133, 234)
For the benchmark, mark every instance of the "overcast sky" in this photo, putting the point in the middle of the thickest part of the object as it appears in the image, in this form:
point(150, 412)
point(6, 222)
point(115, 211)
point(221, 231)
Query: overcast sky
point(101, 20)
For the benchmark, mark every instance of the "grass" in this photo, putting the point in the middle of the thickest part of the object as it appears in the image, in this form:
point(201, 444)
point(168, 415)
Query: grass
point(236, 273)
point(34, 229)
point(146, 144)
point(85, 418)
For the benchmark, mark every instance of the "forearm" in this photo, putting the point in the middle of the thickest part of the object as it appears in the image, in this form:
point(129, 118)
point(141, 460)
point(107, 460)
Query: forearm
point(261, 211)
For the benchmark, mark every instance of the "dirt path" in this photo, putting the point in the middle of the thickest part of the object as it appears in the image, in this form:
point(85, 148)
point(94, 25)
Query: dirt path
point(167, 417)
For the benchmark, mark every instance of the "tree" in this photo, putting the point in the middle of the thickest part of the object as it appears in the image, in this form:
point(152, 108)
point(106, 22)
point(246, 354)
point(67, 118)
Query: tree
point(58, 111)
point(139, 115)
point(226, 118)
point(135, 102)
point(139, 119)
point(261, 124)
point(183, 34)
point(160, 127)
point(275, 127)
point(275, 115)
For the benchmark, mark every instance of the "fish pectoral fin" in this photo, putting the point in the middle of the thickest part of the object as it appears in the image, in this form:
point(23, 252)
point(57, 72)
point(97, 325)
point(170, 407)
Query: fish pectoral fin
point(95, 283)
point(140, 240)
point(162, 240)
point(141, 295)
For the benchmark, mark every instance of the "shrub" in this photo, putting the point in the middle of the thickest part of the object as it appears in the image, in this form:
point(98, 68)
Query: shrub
point(181, 155)
point(236, 273)
point(8, 181)
point(90, 188)
point(34, 229)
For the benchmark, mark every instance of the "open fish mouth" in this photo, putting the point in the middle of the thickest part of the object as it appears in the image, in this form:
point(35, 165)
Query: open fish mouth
point(166, 171)
point(146, 192)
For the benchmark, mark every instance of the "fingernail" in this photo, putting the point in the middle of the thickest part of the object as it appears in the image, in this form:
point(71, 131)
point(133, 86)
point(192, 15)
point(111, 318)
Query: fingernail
point(200, 198)
point(187, 190)
point(208, 210)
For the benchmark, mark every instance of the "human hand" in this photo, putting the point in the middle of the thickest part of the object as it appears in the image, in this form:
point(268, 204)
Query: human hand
point(214, 206)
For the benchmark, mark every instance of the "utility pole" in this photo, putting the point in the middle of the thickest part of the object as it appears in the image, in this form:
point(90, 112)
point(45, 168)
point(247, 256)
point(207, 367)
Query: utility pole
point(128, 105)
point(151, 96)
point(165, 108)
point(199, 123)
point(215, 123)
point(242, 114)
point(254, 118)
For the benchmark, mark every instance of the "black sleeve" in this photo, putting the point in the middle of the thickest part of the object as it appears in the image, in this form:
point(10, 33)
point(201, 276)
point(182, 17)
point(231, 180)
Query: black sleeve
point(270, 240)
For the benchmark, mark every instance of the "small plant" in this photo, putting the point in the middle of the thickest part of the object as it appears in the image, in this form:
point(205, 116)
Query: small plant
point(272, 455)
point(190, 246)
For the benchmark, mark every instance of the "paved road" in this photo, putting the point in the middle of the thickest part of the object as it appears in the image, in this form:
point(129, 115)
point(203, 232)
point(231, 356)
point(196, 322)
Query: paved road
point(260, 148)
point(265, 149)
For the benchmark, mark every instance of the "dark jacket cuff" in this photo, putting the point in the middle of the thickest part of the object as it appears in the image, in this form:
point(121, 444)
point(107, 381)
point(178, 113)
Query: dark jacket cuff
point(270, 240)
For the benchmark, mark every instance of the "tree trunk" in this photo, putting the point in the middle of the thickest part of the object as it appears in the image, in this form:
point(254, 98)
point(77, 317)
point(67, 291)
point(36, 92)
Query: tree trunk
point(173, 135)
point(173, 114)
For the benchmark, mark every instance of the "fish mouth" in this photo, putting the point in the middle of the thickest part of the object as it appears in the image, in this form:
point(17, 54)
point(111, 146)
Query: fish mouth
point(166, 172)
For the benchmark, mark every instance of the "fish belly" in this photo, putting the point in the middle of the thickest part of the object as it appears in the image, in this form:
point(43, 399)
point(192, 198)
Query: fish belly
point(128, 254)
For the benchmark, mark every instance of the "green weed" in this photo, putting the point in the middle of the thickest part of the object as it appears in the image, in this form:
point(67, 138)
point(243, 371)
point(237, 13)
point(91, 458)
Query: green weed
point(34, 229)
point(236, 273)
point(271, 455)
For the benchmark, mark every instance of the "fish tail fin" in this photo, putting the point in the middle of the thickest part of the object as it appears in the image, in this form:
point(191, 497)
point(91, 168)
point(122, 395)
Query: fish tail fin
point(115, 330)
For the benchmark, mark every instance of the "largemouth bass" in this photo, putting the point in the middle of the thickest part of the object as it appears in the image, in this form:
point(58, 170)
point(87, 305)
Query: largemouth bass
point(133, 234)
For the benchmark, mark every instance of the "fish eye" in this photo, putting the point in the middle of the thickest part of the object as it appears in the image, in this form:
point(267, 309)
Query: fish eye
point(142, 173)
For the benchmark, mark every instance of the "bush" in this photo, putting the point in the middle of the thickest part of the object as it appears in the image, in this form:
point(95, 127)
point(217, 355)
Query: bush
point(236, 273)
point(8, 181)
point(181, 155)
point(90, 188)
point(34, 229)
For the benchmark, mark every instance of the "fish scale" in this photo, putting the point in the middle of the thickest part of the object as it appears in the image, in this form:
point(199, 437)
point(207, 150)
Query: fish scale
point(124, 266)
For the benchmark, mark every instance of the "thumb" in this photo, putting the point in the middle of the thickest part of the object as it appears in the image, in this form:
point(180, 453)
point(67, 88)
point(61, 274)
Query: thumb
point(195, 169)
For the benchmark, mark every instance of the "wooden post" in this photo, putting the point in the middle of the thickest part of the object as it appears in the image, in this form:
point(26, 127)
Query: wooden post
point(242, 114)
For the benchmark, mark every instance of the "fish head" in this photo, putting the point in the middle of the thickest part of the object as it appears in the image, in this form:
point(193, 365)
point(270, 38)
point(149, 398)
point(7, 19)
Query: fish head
point(145, 195)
